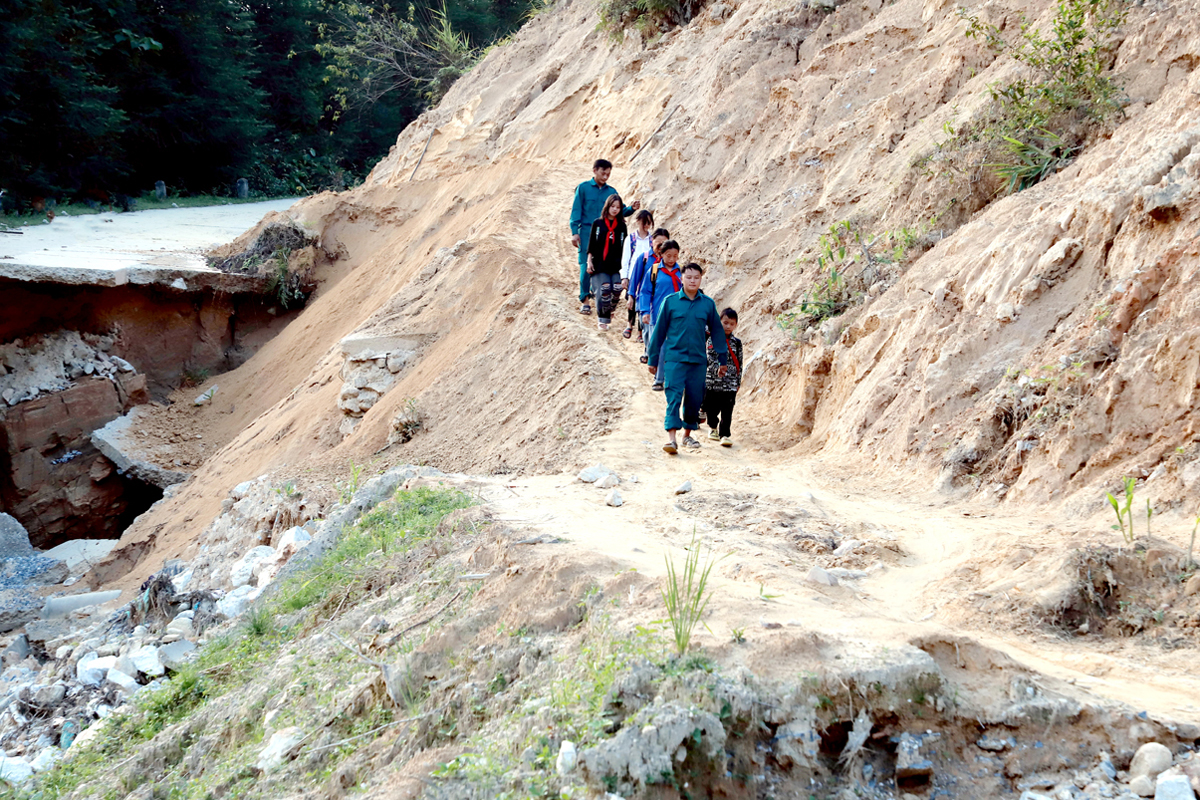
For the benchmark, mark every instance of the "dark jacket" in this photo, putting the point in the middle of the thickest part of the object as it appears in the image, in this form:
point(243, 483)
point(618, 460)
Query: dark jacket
point(733, 376)
point(610, 264)
point(682, 326)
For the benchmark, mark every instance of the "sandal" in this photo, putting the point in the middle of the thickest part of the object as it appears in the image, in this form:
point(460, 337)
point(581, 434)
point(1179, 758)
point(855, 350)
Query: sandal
point(670, 449)
point(602, 326)
point(627, 333)
point(691, 443)
point(585, 309)
point(642, 358)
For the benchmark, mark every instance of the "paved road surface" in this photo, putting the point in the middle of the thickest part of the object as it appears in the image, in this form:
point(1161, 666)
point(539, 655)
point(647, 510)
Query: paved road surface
point(171, 239)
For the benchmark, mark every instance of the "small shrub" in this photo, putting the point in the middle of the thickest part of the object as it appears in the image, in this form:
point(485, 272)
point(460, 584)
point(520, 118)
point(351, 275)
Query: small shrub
point(1124, 514)
point(686, 595)
point(1039, 121)
point(194, 376)
point(260, 623)
point(646, 16)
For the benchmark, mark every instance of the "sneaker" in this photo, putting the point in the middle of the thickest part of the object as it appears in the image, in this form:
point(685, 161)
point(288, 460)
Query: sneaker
point(690, 443)
point(602, 326)
point(670, 448)
point(658, 387)
point(716, 437)
point(726, 441)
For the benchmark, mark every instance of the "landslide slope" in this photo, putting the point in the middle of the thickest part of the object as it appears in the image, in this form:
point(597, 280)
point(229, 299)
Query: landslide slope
point(1042, 346)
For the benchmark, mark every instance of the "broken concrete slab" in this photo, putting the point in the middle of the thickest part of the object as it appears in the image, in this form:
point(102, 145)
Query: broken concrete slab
point(80, 554)
point(115, 441)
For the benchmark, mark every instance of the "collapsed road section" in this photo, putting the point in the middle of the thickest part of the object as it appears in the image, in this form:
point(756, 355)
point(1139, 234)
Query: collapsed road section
point(88, 335)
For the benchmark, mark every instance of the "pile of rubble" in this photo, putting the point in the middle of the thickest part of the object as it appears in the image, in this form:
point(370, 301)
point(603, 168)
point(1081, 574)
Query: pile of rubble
point(46, 363)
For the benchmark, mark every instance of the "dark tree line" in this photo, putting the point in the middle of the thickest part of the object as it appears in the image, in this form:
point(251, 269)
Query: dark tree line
point(104, 96)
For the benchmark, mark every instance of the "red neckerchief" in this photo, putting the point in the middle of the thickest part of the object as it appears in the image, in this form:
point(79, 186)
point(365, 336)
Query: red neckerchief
point(732, 355)
point(612, 234)
point(674, 276)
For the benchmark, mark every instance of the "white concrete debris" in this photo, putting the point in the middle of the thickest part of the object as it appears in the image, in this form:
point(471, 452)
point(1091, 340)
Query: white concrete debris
point(280, 744)
point(247, 567)
point(567, 758)
point(594, 473)
point(145, 658)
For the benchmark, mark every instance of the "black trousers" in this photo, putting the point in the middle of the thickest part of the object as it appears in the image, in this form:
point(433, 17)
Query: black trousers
point(718, 408)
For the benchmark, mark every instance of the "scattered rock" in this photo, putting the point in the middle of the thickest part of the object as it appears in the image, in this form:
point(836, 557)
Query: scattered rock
point(92, 669)
point(46, 759)
point(278, 748)
point(374, 624)
point(17, 651)
point(176, 654)
point(181, 627)
point(995, 744)
point(684, 487)
point(846, 547)
point(593, 474)
point(822, 577)
point(146, 661)
point(58, 607)
point(644, 749)
point(50, 696)
point(911, 766)
point(15, 770)
point(608, 481)
point(614, 499)
point(234, 603)
point(246, 568)
point(567, 757)
point(1142, 786)
point(1192, 586)
point(1173, 785)
point(1149, 760)
point(125, 683)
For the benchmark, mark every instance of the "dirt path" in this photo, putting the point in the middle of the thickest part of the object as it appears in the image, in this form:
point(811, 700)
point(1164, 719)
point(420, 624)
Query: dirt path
point(771, 518)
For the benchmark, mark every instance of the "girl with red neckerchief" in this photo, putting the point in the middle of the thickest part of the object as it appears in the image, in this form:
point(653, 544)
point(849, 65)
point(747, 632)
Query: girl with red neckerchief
point(605, 246)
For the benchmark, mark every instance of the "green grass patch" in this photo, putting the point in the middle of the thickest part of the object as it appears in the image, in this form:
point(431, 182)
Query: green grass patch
point(393, 527)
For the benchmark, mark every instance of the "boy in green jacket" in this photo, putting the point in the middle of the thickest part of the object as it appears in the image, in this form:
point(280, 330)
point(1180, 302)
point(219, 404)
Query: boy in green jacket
point(586, 209)
point(680, 335)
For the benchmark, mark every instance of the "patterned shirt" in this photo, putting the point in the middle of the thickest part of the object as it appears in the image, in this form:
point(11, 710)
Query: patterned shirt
point(733, 376)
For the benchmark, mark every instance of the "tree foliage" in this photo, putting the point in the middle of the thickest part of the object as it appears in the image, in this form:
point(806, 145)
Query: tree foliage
point(106, 96)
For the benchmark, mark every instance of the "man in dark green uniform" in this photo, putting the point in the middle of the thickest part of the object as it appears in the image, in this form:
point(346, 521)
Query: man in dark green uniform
point(586, 209)
point(681, 334)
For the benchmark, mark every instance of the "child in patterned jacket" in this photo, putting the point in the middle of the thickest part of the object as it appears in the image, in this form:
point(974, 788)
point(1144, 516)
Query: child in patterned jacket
point(720, 393)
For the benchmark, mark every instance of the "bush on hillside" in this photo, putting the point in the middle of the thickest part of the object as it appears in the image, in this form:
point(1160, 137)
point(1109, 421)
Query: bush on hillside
point(646, 16)
point(1040, 121)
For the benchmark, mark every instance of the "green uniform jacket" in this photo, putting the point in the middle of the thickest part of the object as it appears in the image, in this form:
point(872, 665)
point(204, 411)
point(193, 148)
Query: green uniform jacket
point(683, 327)
point(588, 206)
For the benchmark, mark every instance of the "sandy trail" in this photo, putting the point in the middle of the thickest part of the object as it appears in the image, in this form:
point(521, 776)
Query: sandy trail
point(755, 508)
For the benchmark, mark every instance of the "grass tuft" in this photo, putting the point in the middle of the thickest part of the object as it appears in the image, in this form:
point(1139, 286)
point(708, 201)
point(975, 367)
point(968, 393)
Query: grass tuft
point(686, 595)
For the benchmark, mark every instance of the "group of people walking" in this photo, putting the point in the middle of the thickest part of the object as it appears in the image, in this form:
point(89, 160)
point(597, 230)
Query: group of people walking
point(689, 348)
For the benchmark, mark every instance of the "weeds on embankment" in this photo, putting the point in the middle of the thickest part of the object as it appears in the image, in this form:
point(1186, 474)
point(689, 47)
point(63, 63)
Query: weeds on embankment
point(362, 562)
